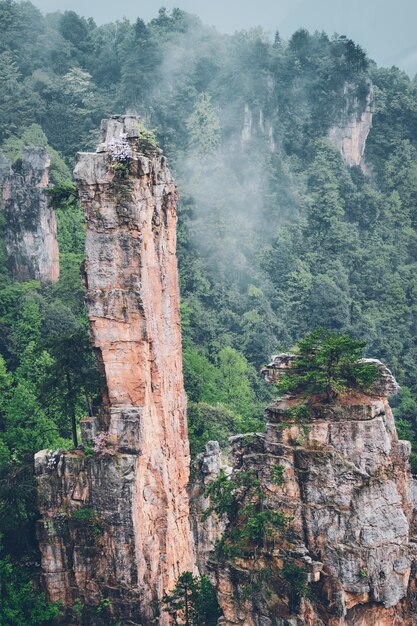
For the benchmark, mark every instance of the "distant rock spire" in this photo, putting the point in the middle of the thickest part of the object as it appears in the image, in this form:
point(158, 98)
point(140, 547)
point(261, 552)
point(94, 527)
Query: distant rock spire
point(30, 224)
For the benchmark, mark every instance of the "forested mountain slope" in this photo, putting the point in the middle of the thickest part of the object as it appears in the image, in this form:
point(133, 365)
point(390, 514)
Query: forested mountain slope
point(277, 234)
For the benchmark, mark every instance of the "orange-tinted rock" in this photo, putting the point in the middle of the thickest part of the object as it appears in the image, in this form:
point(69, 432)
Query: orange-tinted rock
point(132, 300)
point(352, 130)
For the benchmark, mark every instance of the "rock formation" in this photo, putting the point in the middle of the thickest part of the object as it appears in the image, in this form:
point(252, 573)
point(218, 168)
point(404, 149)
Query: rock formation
point(115, 528)
point(207, 531)
point(30, 224)
point(349, 135)
point(318, 528)
point(254, 123)
point(342, 550)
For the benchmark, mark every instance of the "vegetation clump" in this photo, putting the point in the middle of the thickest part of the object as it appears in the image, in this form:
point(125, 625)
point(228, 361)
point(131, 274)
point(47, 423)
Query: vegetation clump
point(20, 605)
point(252, 529)
point(88, 520)
point(241, 500)
point(192, 602)
point(328, 364)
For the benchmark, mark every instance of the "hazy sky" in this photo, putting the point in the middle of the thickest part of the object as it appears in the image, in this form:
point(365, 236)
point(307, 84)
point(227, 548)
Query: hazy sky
point(387, 29)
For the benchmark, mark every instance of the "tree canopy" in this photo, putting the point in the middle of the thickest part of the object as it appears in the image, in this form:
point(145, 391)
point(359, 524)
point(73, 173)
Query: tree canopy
point(329, 364)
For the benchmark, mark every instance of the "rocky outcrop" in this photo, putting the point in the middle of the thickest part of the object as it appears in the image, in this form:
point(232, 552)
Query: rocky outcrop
point(30, 224)
point(254, 124)
point(342, 549)
point(207, 529)
point(384, 385)
point(350, 133)
point(115, 527)
point(319, 527)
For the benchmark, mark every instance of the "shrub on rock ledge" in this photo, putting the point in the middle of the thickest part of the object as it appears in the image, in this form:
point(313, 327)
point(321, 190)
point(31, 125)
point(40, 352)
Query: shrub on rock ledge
point(328, 364)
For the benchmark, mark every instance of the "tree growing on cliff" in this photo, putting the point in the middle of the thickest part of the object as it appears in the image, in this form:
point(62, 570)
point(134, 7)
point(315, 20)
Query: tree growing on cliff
point(328, 363)
point(192, 602)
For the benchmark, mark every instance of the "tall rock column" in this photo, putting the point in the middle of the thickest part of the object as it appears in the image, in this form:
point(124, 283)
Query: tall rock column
point(30, 224)
point(137, 485)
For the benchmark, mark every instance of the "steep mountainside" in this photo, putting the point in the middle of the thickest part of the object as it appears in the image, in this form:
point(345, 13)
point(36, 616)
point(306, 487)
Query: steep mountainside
point(296, 165)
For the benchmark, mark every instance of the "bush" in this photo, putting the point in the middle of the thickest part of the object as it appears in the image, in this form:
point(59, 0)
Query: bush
point(193, 601)
point(20, 605)
point(251, 524)
point(328, 363)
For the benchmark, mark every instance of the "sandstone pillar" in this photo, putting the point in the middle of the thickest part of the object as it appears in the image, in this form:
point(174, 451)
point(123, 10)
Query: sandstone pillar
point(137, 486)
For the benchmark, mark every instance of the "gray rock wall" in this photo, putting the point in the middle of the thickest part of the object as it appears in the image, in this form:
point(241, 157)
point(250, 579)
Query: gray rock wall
point(350, 500)
point(30, 224)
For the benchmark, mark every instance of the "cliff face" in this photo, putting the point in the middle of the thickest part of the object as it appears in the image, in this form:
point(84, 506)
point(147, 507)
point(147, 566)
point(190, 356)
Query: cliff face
point(207, 531)
point(254, 123)
point(30, 225)
point(341, 550)
point(135, 488)
point(349, 135)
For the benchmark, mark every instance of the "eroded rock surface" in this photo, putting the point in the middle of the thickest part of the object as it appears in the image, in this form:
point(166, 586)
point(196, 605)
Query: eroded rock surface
point(207, 530)
point(30, 224)
point(348, 498)
point(352, 130)
point(138, 486)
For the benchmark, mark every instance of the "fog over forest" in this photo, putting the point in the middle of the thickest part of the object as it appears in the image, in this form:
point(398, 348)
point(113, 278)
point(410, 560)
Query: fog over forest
point(291, 133)
point(384, 28)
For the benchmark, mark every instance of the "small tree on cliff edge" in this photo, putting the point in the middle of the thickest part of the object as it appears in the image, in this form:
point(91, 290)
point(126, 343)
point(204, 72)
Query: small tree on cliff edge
point(328, 363)
point(193, 602)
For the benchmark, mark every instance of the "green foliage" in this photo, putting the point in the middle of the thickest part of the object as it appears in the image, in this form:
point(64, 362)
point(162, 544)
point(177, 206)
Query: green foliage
point(221, 394)
point(208, 423)
point(192, 602)
point(20, 605)
point(89, 449)
point(148, 135)
point(77, 610)
point(328, 364)
point(103, 605)
point(33, 136)
point(48, 373)
point(295, 582)
point(277, 475)
point(221, 493)
point(87, 519)
point(84, 516)
point(232, 382)
point(204, 126)
point(242, 500)
point(298, 413)
point(121, 170)
point(259, 524)
point(405, 412)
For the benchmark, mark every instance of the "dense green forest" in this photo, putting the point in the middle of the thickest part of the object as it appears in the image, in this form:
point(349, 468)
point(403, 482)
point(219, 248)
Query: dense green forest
point(276, 234)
